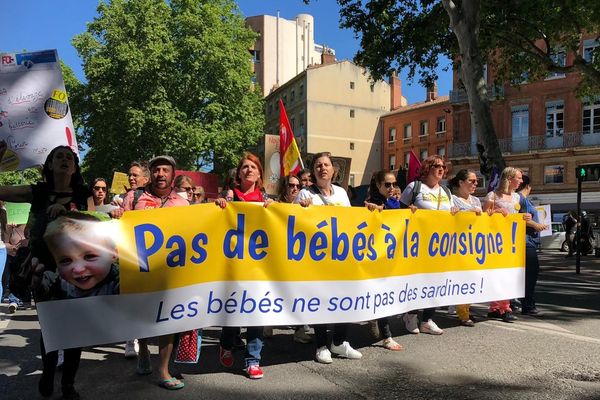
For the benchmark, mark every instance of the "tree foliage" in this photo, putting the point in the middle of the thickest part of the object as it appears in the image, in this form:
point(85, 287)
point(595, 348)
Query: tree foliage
point(167, 78)
point(515, 37)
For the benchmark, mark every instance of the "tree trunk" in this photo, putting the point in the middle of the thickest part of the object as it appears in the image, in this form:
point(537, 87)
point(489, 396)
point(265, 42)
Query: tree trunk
point(464, 22)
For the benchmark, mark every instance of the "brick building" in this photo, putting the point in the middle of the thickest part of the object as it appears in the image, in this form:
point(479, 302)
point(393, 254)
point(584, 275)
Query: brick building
point(542, 127)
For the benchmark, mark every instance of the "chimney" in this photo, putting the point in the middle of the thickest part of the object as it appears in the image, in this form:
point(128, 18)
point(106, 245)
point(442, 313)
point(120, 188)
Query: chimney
point(395, 92)
point(431, 92)
point(327, 57)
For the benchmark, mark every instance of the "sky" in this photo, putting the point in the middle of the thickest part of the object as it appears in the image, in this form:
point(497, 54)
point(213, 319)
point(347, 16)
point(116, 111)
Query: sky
point(33, 25)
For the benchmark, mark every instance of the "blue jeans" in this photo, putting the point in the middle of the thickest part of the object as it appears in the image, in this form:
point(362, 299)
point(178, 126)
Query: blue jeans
point(254, 342)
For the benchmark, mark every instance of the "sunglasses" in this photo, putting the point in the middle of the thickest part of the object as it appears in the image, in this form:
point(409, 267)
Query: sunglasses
point(442, 166)
point(390, 184)
point(102, 188)
point(294, 185)
point(198, 194)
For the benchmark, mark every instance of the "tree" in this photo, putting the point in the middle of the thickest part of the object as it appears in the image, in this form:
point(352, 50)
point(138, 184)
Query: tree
point(515, 36)
point(168, 78)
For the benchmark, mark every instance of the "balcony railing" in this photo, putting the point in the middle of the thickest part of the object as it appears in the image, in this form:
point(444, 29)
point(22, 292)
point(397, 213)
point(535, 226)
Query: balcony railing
point(460, 96)
point(531, 143)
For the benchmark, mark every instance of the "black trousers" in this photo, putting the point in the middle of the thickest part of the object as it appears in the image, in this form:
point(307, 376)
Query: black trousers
point(532, 270)
point(70, 366)
point(340, 334)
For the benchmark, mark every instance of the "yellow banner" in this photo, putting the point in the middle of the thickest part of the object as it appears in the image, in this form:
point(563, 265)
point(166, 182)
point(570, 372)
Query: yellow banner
point(171, 248)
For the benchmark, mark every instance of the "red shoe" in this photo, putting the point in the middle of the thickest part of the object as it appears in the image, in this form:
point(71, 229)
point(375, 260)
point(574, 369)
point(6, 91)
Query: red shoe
point(226, 357)
point(254, 372)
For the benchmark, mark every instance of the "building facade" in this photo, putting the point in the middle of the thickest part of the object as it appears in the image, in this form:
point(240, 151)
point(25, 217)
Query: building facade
point(334, 107)
point(283, 49)
point(424, 128)
point(542, 128)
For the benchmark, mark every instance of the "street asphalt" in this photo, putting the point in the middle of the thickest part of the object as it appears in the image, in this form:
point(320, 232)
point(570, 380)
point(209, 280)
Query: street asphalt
point(553, 356)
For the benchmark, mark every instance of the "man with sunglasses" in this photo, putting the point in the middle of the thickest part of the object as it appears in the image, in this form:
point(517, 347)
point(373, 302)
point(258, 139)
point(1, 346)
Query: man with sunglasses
point(199, 195)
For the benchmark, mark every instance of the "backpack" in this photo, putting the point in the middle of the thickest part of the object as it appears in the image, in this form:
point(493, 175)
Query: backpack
point(417, 190)
point(136, 197)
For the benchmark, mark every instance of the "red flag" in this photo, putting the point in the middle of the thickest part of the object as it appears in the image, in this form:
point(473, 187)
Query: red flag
point(289, 155)
point(413, 167)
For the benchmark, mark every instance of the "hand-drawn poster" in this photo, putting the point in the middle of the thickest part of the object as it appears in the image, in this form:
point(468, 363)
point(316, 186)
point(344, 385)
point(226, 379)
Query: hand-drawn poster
point(34, 108)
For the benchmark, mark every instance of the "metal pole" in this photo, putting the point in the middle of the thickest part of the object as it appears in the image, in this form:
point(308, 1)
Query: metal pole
point(578, 232)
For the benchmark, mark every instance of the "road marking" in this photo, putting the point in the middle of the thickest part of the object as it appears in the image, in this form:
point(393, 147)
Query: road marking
point(543, 327)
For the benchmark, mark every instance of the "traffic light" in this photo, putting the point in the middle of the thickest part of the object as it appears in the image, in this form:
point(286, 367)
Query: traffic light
point(588, 172)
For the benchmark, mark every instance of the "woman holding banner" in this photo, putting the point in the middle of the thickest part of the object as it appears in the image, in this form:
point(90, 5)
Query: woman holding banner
point(323, 192)
point(506, 201)
point(381, 196)
point(248, 187)
point(463, 186)
point(428, 193)
point(289, 187)
point(61, 190)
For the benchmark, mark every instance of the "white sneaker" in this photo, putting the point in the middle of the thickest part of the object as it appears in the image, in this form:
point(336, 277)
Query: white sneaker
point(300, 336)
point(411, 322)
point(12, 308)
point(132, 348)
point(345, 350)
point(323, 355)
point(431, 328)
point(61, 358)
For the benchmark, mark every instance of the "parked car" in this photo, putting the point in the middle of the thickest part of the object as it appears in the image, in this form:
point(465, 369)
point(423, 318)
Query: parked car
point(556, 241)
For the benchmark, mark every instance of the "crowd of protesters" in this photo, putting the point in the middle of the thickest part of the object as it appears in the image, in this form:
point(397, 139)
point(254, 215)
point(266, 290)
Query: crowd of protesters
point(155, 185)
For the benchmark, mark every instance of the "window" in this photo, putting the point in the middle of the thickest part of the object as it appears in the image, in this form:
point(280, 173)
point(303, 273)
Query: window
point(520, 128)
point(392, 162)
point(277, 105)
point(301, 90)
point(554, 174)
point(441, 151)
point(351, 145)
point(558, 58)
point(392, 136)
point(255, 56)
point(406, 158)
point(293, 96)
point(407, 131)
point(423, 154)
point(285, 100)
point(591, 117)
point(351, 113)
point(589, 46)
point(270, 109)
point(352, 85)
point(441, 124)
point(301, 123)
point(555, 118)
point(293, 124)
point(253, 79)
point(351, 180)
point(423, 128)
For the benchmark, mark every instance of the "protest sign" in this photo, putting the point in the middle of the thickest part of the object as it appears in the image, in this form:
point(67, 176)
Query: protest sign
point(544, 215)
point(17, 213)
point(272, 166)
point(34, 110)
point(120, 183)
point(190, 267)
